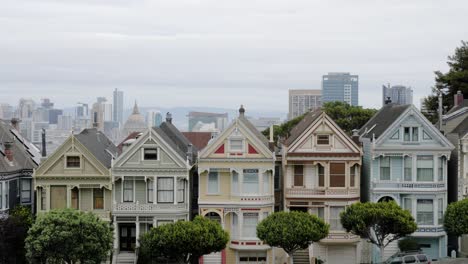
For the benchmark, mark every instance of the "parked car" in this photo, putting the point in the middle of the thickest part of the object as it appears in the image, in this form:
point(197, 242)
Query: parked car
point(408, 257)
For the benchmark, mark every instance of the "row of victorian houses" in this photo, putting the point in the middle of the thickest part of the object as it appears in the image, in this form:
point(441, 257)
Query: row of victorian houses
point(239, 177)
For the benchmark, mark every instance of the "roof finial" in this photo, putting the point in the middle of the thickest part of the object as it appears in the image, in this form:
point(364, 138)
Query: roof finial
point(169, 117)
point(135, 109)
point(241, 110)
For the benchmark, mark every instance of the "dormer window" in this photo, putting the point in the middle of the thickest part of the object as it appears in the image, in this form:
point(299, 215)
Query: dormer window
point(323, 140)
point(150, 154)
point(73, 162)
point(411, 134)
point(236, 145)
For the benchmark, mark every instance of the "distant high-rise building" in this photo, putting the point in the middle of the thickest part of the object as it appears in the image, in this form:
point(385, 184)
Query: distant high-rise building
point(26, 108)
point(118, 106)
point(302, 101)
point(340, 86)
point(53, 115)
point(82, 110)
point(6, 111)
point(154, 118)
point(101, 112)
point(46, 103)
point(64, 122)
point(199, 120)
point(263, 123)
point(398, 94)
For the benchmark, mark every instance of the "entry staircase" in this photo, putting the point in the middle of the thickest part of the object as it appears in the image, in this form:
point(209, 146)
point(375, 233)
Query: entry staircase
point(301, 257)
point(124, 258)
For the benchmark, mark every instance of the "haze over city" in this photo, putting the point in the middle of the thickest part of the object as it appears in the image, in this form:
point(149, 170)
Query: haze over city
point(220, 53)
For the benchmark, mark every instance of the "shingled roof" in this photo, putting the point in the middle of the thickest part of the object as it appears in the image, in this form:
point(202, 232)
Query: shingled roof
point(384, 118)
point(462, 128)
point(99, 145)
point(26, 156)
point(298, 129)
point(198, 139)
point(174, 137)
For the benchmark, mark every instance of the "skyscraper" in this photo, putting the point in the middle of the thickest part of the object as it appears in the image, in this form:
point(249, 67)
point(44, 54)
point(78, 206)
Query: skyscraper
point(398, 94)
point(302, 101)
point(118, 106)
point(340, 86)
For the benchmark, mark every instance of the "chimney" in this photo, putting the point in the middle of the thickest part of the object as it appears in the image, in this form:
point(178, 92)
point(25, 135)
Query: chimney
point(458, 98)
point(169, 117)
point(44, 151)
point(190, 153)
point(15, 123)
point(95, 123)
point(271, 144)
point(9, 151)
point(241, 111)
point(355, 137)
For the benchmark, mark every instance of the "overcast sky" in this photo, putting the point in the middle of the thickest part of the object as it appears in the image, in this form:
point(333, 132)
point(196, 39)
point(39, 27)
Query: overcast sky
point(221, 53)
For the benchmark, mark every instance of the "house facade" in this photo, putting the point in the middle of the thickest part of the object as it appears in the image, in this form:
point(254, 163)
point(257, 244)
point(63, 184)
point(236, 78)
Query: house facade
point(151, 185)
point(321, 165)
point(18, 158)
point(236, 189)
point(405, 160)
point(77, 175)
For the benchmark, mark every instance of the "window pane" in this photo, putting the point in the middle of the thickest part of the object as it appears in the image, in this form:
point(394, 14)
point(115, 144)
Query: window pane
point(441, 168)
point(165, 190)
point(277, 177)
point(425, 168)
point(128, 190)
point(385, 168)
point(73, 161)
point(407, 134)
point(25, 190)
point(323, 139)
point(440, 213)
point(74, 198)
point(335, 223)
point(58, 197)
point(425, 212)
point(408, 169)
point(98, 195)
point(415, 133)
point(251, 183)
point(407, 204)
point(250, 225)
point(266, 183)
point(150, 186)
point(353, 173)
point(43, 199)
point(235, 182)
point(321, 175)
point(298, 175)
point(213, 182)
point(181, 191)
point(337, 175)
point(150, 154)
point(236, 144)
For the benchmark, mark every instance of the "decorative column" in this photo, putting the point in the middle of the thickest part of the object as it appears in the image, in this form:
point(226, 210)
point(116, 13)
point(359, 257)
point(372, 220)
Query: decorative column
point(116, 235)
point(155, 190)
point(137, 229)
point(47, 191)
point(69, 196)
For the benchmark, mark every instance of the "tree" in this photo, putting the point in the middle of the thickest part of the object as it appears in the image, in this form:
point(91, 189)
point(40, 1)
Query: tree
point(380, 223)
point(291, 231)
point(13, 232)
point(68, 235)
point(346, 116)
point(456, 79)
point(183, 241)
point(456, 218)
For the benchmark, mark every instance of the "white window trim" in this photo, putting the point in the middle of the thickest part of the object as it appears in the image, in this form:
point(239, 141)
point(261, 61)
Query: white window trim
point(411, 134)
point(208, 183)
point(123, 190)
point(92, 199)
point(73, 155)
point(236, 151)
point(390, 164)
point(150, 147)
point(323, 145)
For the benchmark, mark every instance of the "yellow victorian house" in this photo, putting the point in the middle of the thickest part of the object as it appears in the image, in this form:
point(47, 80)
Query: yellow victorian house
point(236, 171)
point(77, 175)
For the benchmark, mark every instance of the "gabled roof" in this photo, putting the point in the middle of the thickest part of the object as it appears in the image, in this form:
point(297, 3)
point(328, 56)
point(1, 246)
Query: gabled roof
point(298, 129)
point(198, 139)
point(253, 129)
point(133, 135)
point(26, 156)
point(175, 138)
point(384, 118)
point(99, 145)
point(462, 128)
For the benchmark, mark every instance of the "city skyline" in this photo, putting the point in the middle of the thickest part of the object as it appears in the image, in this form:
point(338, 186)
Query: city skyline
point(152, 60)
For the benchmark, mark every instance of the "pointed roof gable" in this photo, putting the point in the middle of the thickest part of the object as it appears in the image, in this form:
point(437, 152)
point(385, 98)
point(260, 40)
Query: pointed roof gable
point(99, 145)
point(383, 119)
point(298, 129)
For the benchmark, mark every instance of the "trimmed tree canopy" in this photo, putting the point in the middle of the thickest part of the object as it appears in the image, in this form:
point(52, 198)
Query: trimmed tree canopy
point(13, 232)
point(183, 241)
point(291, 231)
point(69, 235)
point(456, 218)
point(381, 223)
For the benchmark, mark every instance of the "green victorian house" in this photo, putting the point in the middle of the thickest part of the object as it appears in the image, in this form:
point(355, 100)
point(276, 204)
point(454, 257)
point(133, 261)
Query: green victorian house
point(77, 175)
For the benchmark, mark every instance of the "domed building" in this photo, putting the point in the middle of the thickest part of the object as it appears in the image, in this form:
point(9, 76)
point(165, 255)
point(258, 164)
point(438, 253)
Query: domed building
point(135, 123)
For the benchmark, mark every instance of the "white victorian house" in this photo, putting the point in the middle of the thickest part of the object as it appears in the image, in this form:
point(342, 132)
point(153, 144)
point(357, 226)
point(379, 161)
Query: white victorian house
point(405, 160)
point(151, 185)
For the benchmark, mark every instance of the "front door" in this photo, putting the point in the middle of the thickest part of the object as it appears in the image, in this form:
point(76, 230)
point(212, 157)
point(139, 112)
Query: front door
point(127, 237)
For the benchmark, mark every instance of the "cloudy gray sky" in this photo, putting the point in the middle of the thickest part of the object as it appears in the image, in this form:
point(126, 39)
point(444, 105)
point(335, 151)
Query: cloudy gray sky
point(220, 53)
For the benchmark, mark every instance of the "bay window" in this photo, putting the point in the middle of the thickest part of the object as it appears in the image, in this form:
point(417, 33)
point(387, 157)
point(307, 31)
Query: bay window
point(384, 168)
point(337, 175)
point(128, 191)
point(408, 162)
point(299, 175)
point(165, 190)
point(425, 168)
point(181, 191)
point(213, 182)
point(319, 212)
point(425, 212)
point(58, 197)
point(250, 225)
point(335, 222)
point(250, 184)
point(440, 163)
point(234, 224)
point(353, 175)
